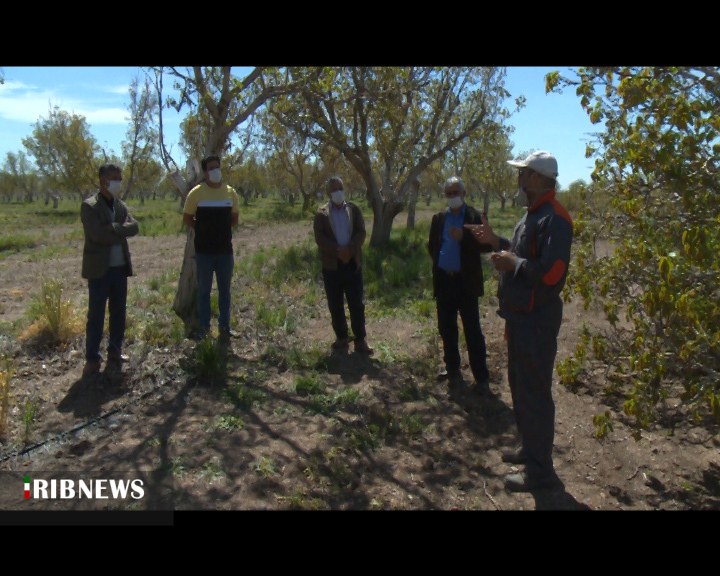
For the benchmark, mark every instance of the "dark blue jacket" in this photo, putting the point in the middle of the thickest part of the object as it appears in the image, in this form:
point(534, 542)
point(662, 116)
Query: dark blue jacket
point(542, 240)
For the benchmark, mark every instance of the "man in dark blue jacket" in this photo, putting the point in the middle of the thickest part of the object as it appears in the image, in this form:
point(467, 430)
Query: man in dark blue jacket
point(533, 268)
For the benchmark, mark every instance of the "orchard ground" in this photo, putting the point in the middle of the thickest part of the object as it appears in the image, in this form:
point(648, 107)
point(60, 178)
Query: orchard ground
point(347, 433)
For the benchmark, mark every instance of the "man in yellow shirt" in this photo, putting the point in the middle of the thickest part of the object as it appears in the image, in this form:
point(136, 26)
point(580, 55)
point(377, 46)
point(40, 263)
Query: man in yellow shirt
point(212, 209)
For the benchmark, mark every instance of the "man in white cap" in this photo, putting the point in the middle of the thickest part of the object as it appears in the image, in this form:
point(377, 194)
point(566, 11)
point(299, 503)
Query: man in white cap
point(533, 268)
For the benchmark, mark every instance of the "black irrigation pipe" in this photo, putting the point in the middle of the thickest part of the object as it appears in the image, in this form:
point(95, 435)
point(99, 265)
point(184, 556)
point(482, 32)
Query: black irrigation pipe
point(60, 435)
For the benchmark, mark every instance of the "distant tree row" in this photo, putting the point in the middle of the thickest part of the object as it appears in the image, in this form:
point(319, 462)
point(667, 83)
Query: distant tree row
point(394, 133)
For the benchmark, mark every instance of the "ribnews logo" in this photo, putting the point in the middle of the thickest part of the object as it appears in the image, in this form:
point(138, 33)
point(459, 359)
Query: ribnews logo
point(93, 489)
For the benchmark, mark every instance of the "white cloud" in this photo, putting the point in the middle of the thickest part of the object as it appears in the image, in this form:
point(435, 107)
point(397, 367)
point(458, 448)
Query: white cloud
point(122, 89)
point(10, 85)
point(25, 106)
point(105, 116)
point(29, 106)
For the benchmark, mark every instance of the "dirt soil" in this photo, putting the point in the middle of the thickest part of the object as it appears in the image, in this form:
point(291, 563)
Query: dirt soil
point(152, 417)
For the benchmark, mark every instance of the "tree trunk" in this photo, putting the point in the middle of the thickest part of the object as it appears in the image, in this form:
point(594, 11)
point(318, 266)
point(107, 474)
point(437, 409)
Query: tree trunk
point(306, 203)
point(411, 204)
point(382, 222)
point(185, 304)
point(486, 202)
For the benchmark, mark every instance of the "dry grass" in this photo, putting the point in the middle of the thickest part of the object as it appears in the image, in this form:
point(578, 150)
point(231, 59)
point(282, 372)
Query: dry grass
point(7, 370)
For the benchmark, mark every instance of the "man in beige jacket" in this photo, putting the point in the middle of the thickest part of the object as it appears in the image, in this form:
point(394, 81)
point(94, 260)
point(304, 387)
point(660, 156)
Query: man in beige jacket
point(339, 233)
point(106, 265)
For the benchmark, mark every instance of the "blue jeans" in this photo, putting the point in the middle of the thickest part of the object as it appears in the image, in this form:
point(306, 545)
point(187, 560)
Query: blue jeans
point(110, 289)
point(222, 265)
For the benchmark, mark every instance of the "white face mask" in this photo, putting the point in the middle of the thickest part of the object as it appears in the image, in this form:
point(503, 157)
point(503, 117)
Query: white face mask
point(338, 197)
point(522, 197)
point(455, 202)
point(215, 175)
point(114, 187)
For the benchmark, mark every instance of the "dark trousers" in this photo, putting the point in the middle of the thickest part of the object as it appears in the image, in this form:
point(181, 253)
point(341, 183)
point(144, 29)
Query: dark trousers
point(450, 299)
point(110, 290)
point(531, 359)
point(345, 282)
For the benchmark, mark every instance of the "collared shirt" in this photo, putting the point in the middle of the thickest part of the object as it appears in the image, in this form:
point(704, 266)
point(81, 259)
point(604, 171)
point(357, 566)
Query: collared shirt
point(117, 258)
point(449, 259)
point(341, 222)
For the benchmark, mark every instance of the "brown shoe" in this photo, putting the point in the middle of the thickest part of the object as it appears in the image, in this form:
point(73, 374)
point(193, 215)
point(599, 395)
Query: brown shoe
point(91, 368)
point(362, 347)
point(117, 357)
point(340, 343)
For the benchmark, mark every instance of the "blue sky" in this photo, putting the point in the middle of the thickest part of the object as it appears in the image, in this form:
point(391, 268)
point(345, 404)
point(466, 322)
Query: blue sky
point(548, 122)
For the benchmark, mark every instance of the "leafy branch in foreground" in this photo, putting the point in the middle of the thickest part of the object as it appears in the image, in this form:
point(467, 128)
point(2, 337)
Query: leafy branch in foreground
point(657, 168)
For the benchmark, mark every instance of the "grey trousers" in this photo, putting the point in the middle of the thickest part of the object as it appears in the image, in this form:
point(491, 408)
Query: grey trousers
point(531, 359)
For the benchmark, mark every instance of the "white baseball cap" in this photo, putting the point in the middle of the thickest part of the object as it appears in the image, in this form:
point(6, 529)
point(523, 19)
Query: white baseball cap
point(540, 161)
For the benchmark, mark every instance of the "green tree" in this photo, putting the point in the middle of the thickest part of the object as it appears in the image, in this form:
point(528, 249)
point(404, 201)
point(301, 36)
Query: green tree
point(7, 186)
point(22, 175)
point(657, 165)
point(391, 123)
point(65, 152)
point(293, 163)
point(483, 166)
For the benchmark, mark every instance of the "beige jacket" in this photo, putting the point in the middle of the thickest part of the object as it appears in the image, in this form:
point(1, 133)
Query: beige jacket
point(95, 216)
point(325, 238)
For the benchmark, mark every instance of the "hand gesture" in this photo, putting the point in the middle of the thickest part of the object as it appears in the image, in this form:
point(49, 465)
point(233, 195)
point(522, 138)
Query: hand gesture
point(483, 233)
point(503, 261)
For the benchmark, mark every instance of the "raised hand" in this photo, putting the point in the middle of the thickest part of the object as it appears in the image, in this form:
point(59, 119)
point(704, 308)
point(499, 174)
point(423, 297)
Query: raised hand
point(483, 233)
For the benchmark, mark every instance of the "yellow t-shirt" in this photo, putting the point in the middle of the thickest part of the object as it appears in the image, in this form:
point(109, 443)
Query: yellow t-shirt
point(212, 208)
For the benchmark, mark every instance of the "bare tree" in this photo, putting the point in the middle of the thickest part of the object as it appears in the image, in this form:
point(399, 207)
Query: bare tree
point(392, 123)
point(225, 101)
point(140, 147)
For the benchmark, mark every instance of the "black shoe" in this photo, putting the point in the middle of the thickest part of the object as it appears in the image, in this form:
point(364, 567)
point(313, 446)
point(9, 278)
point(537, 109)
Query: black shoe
point(455, 379)
point(516, 456)
point(522, 482)
point(227, 333)
point(482, 387)
point(199, 334)
point(117, 358)
point(91, 368)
